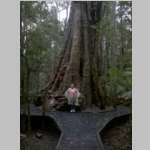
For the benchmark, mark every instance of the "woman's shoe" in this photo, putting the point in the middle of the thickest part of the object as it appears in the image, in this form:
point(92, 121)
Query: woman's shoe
point(72, 110)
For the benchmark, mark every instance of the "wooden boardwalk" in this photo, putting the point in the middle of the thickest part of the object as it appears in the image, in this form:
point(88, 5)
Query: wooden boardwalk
point(80, 131)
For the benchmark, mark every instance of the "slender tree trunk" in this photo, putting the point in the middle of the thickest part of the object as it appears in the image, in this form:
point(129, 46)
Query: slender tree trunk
point(114, 46)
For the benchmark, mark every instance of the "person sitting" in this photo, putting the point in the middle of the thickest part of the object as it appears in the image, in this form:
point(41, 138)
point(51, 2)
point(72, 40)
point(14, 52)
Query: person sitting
point(72, 94)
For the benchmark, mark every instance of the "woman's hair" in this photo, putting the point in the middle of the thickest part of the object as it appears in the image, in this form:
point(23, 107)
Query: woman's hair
point(72, 84)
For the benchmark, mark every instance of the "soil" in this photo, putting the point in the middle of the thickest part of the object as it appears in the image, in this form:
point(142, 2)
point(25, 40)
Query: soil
point(48, 141)
point(118, 136)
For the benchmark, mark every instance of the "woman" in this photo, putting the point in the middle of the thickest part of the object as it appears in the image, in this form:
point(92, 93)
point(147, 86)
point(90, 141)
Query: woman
point(72, 95)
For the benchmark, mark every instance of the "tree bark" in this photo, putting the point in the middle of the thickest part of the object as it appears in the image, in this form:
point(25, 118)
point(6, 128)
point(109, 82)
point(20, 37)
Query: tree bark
point(79, 62)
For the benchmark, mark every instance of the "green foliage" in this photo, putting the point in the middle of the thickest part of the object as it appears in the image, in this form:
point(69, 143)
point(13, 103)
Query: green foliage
point(41, 42)
point(118, 82)
point(42, 38)
point(115, 32)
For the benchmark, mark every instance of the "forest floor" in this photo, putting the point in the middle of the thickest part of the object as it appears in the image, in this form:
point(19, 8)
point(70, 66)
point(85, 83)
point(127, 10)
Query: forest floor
point(115, 137)
point(118, 136)
point(47, 142)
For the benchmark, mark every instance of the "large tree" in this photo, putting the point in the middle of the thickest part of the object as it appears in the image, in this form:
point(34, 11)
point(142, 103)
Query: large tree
point(79, 61)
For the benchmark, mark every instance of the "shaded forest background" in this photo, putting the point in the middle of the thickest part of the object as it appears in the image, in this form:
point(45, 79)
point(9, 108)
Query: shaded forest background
point(42, 40)
point(42, 36)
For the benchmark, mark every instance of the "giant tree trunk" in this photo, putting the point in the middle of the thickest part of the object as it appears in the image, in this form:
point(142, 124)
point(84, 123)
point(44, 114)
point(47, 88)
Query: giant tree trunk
point(79, 62)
